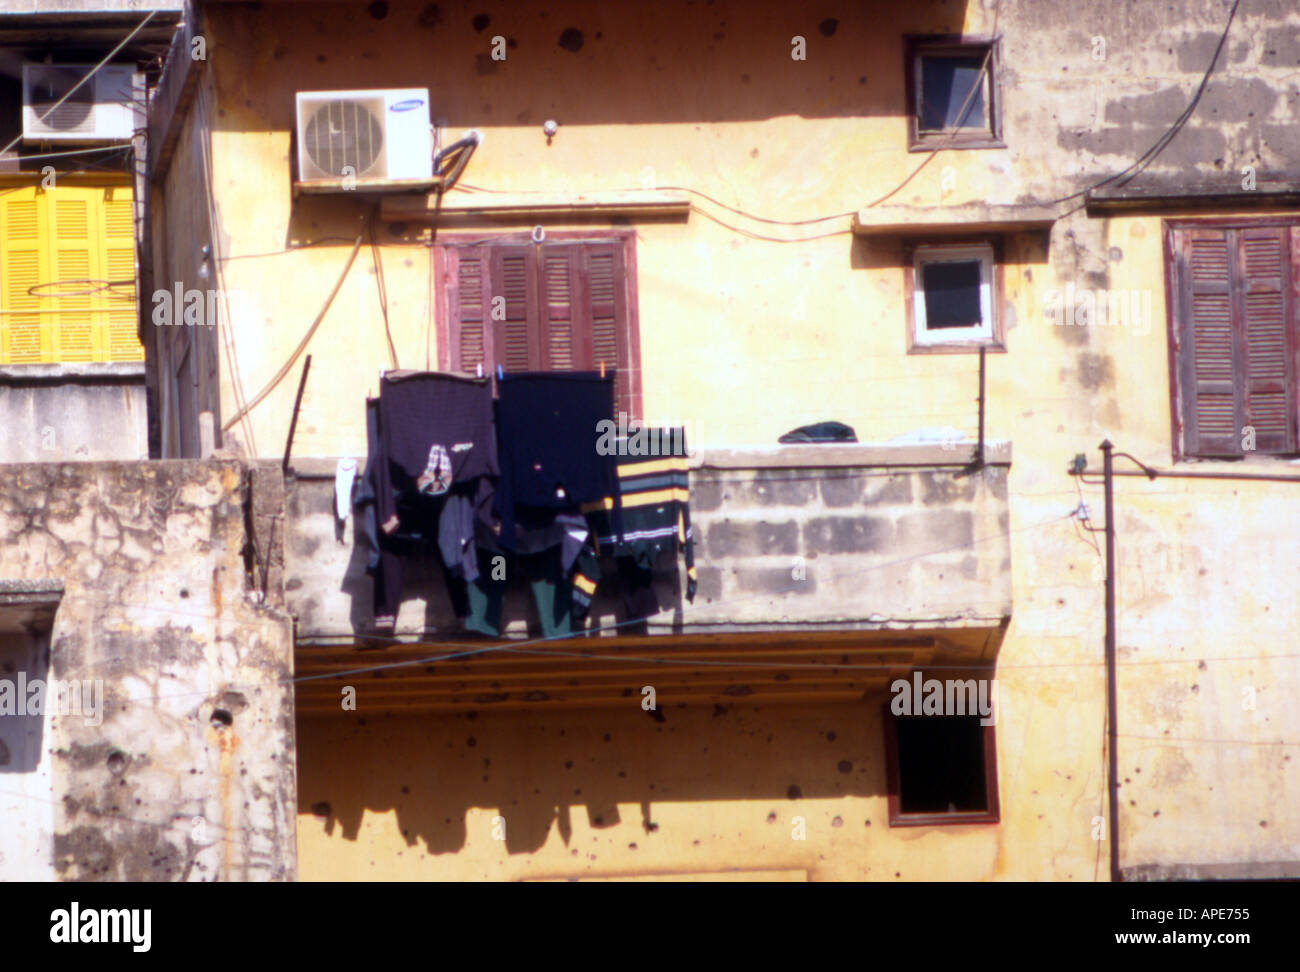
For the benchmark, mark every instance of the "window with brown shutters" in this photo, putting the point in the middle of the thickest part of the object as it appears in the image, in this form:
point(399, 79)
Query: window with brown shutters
point(561, 305)
point(1234, 336)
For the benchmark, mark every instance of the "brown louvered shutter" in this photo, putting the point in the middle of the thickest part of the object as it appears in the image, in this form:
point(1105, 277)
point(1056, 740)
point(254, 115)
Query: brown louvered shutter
point(1262, 293)
point(540, 307)
point(562, 319)
point(1236, 349)
point(585, 315)
point(607, 310)
point(515, 314)
point(468, 306)
point(1210, 399)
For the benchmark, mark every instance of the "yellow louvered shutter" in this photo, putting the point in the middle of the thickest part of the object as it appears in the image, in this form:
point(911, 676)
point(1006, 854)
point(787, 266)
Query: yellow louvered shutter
point(74, 324)
point(67, 275)
point(120, 341)
point(22, 266)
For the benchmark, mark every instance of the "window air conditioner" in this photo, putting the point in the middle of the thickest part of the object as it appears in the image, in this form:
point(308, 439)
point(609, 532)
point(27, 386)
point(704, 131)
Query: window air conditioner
point(353, 139)
point(98, 111)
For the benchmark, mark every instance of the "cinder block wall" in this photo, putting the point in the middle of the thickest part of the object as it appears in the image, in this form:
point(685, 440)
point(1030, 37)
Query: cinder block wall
point(852, 544)
point(876, 546)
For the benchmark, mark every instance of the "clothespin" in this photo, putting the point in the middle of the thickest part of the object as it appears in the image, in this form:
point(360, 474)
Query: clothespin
point(501, 372)
point(602, 369)
point(479, 366)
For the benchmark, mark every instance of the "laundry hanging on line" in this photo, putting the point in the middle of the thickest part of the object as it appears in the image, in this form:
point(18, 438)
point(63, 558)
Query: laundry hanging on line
point(451, 472)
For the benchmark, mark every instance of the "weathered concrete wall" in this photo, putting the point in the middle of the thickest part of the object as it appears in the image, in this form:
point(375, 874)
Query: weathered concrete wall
point(187, 771)
point(891, 547)
point(51, 413)
point(850, 544)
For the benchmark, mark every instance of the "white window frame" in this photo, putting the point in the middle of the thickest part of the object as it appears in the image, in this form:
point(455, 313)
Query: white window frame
point(982, 333)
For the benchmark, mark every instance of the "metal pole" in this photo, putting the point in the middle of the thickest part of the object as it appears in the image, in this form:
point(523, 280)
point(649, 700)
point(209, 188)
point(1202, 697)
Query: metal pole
point(293, 422)
point(979, 456)
point(1112, 691)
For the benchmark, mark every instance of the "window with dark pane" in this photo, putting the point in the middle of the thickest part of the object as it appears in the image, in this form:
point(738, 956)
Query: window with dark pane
point(941, 764)
point(952, 294)
point(947, 81)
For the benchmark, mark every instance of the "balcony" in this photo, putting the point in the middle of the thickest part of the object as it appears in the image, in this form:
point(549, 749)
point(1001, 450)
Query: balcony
point(825, 571)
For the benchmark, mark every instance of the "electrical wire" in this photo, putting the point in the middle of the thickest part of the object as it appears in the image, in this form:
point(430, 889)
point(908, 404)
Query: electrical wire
point(305, 246)
point(1213, 742)
point(285, 368)
point(378, 261)
point(686, 189)
point(81, 151)
point(769, 239)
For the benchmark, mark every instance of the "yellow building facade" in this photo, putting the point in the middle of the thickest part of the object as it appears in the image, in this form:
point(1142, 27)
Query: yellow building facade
point(770, 293)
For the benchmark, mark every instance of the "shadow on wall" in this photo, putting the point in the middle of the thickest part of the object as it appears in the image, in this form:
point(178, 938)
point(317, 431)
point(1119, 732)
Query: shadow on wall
point(537, 771)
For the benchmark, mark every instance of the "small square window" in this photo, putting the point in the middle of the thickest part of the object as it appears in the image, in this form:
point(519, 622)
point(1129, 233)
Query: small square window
point(942, 769)
point(953, 297)
point(952, 93)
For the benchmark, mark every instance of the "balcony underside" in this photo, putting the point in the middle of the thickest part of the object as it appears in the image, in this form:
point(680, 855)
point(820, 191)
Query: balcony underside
point(410, 678)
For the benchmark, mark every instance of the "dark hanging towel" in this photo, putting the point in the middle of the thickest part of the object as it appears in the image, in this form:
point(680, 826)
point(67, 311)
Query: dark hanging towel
point(548, 426)
point(415, 518)
point(436, 431)
point(654, 492)
point(431, 459)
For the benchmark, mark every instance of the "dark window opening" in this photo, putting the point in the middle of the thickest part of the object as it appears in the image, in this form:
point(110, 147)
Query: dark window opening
point(941, 765)
point(952, 294)
point(952, 93)
point(941, 770)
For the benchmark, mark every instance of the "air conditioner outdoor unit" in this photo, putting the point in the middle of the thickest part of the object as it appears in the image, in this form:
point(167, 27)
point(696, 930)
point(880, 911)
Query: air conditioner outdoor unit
point(98, 111)
point(351, 139)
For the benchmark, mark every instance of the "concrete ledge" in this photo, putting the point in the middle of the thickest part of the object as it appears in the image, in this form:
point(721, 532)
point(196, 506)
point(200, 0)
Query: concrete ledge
point(937, 220)
point(126, 372)
point(1133, 200)
point(1236, 871)
point(29, 605)
point(660, 203)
